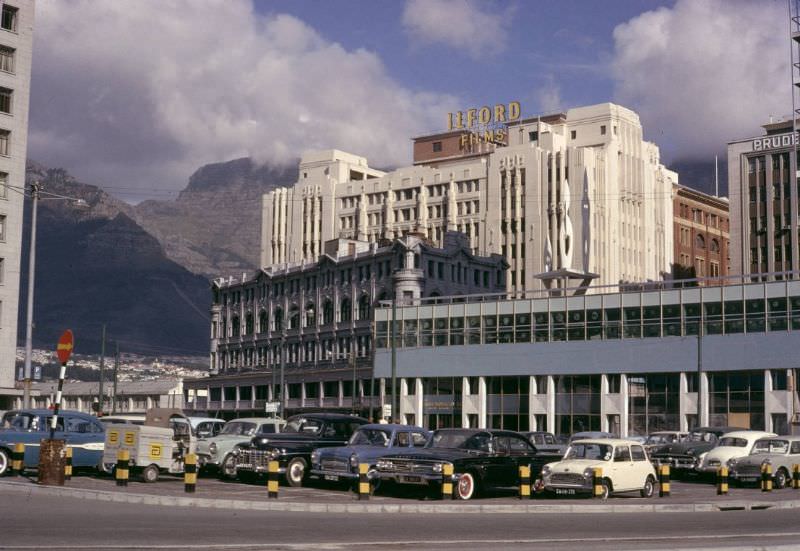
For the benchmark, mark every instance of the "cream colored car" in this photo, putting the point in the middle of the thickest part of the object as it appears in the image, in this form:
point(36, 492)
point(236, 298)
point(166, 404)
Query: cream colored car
point(625, 466)
point(732, 445)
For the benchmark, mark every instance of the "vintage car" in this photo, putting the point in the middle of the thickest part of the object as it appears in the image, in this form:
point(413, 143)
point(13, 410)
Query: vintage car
point(216, 451)
point(368, 444)
point(682, 456)
point(292, 447)
point(204, 427)
point(590, 434)
point(481, 459)
point(624, 463)
point(545, 442)
point(732, 445)
point(662, 438)
point(781, 452)
point(82, 432)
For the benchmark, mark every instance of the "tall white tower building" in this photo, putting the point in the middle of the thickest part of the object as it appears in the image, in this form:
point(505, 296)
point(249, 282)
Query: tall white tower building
point(16, 49)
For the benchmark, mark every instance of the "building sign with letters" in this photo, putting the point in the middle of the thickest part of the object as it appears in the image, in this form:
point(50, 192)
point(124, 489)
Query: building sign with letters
point(775, 142)
point(484, 124)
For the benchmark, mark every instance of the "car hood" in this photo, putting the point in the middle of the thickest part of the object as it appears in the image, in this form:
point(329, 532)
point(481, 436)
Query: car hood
point(438, 454)
point(362, 452)
point(288, 439)
point(724, 453)
point(204, 443)
point(682, 448)
point(576, 465)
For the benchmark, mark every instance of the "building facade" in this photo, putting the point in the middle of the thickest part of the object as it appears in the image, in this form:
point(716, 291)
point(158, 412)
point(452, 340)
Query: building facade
point(131, 397)
point(313, 321)
point(764, 203)
point(702, 236)
point(577, 194)
point(16, 49)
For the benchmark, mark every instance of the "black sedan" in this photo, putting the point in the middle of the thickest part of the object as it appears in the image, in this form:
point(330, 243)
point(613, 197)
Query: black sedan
point(481, 459)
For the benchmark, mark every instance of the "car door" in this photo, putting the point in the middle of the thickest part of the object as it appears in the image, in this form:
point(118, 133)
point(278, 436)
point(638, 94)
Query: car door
point(622, 477)
point(86, 439)
point(641, 466)
point(500, 462)
point(522, 454)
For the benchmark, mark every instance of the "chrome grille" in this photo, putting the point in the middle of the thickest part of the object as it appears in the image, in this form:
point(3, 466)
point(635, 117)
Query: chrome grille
point(252, 460)
point(411, 467)
point(335, 465)
point(748, 470)
point(575, 479)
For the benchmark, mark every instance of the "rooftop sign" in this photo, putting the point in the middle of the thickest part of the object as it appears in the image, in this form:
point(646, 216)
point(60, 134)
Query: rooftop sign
point(775, 142)
point(483, 116)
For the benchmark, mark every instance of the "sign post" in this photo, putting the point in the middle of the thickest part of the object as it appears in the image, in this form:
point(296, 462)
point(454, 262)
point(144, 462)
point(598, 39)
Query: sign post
point(52, 455)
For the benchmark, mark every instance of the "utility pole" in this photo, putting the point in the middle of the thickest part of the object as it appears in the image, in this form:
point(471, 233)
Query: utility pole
point(26, 374)
point(102, 369)
point(116, 371)
point(282, 394)
point(700, 369)
point(394, 358)
point(355, 382)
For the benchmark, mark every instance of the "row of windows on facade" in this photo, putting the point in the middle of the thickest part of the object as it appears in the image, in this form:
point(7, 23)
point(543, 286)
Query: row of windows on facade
point(685, 260)
point(781, 225)
point(310, 318)
point(702, 217)
point(758, 255)
point(410, 194)
point(781, 191)
point(780, 162)
point(729, 317)
point(308, 351)
point(699, 240)
point(460, 274)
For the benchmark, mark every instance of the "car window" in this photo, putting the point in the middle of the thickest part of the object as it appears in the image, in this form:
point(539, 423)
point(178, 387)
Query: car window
point(600, 452)
point(401, 439)
point(370, 437)
point(501, 445)
point(732, 442)
point(622, 453)
point(770, 446)
point(518, 446)
point(549, 439)
point(637, 452)
point(419, 439)
point(267, 428)
point(480, 442)
point(795, 447)
point(49, 419)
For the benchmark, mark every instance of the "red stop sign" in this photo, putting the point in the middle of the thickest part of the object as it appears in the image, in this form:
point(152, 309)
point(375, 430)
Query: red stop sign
point(64, 348)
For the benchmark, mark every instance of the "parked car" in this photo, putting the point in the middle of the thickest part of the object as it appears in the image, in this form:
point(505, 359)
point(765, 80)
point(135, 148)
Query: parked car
point(732, 445)
point(625, 466)
point(682, 456)
point(292, 447)
point(368, 444)
point(545, 442)
point(782, 452)
point(481, 459)
point(590, 434)
point(82, 432)
point(206, 426)
point(662, 438)
point(217, 451)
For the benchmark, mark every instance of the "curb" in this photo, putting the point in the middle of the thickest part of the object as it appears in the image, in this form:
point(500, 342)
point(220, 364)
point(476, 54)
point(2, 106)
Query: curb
point(394, 508)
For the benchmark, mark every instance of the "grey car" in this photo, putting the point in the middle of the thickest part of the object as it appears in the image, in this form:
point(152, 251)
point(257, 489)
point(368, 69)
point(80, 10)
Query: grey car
point(782, 452)
point(215, 451)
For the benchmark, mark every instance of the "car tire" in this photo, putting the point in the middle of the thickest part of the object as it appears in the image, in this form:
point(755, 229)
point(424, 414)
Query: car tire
point(5, 462)
point(374, 481)
point(649, 487)
point(606, 492)
point(150, 474)
point(780, 478)
point(106, 469)
point(296, 472)
point(227, 469)
point(465, 486)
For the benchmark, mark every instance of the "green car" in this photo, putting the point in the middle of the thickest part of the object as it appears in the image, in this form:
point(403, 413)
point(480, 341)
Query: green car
point(215, 452)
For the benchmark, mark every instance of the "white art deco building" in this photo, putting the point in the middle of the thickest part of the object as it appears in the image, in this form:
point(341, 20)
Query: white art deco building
point(565, 198)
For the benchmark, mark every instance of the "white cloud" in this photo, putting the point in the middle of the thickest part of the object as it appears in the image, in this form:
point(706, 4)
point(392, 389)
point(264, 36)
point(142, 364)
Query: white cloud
point(704, 72)
point(549, 96)
point(459, 24)
point(138, 94)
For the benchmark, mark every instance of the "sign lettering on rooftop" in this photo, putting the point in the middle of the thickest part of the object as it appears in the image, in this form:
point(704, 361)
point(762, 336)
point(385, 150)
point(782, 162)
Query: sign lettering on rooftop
point(774, 142)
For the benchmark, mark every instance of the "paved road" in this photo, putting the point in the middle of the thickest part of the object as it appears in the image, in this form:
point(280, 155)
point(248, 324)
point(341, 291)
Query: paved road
point(33, 521)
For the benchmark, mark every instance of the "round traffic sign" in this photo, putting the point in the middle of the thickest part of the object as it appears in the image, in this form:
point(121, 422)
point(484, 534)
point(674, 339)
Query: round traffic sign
point(64, 348)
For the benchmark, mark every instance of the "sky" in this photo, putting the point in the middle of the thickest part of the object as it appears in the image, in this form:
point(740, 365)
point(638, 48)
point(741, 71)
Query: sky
point(135, 95)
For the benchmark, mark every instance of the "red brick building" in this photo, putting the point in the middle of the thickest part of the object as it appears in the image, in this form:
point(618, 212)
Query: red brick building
point(702, 234)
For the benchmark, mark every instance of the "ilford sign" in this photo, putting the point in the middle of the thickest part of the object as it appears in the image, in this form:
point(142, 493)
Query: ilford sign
point(775, 142)
point(485, 124)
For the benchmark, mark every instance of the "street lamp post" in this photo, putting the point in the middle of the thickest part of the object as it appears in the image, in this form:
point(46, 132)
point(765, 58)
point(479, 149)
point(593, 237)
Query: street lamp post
point(26, 375)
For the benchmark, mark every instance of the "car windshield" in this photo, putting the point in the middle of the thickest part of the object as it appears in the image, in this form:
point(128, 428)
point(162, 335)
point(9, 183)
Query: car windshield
point(770, 446)
point(301, 424)
point(238, 428)
point(465, 440)
point(600, 452)
point(701, 436)
point(371, 437)
point(731, 442)
point(662, 439)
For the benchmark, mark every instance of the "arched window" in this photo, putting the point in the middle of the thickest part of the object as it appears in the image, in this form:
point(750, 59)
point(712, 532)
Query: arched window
point(311, 315)
point(294, 317)
point(345, 310)
point(249, 324)
point(236, 326)
point(278, 319)
point(263, 322)
point(363, 307)
point(327, 312)
point(700, 242)
point(714, 247)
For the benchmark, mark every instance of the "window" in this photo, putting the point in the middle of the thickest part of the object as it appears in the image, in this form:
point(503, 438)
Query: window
point(7, 59)
point(5, 139)
point(3, 185)
point(700, 242)
point(602, 129)
point(9, 18)
point(5, 100)
point(2, 227)
point(2, 269)
point(437, 147)
point(533, 136)
point(573, 134)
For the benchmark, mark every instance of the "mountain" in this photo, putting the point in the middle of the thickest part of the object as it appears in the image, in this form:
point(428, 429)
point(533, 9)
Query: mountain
point(97, 266)
point(213, 228)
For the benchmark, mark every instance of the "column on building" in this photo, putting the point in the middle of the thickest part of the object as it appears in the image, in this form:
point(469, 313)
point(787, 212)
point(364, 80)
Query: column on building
point(482, 397)
point(551, 404)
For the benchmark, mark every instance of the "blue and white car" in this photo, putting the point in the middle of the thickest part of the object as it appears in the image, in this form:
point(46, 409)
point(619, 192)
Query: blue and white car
point(82, 432)
point(368, 444)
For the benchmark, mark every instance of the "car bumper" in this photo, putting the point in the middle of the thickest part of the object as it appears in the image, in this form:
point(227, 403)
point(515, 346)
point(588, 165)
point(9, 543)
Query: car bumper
point(329, 474)
point(414, 478)
point(677, 463)
point(568, 490)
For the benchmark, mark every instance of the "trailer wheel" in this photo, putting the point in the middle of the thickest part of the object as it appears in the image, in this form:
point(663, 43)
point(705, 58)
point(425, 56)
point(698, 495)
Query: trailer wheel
point(150, 473)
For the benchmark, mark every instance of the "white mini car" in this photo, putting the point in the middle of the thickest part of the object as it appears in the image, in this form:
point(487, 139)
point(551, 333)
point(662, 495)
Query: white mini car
point(625, 465)
point(732, 445)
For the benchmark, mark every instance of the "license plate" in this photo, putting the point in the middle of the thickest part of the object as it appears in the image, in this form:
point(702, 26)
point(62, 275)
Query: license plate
point(332, 477)
point(411, 479)
point(565, 491)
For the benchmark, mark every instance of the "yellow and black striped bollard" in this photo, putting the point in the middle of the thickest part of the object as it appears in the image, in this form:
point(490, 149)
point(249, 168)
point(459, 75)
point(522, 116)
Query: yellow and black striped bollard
point(796, 477)
point(597, 481)
point(272, 480)
point(68, 464)
point(17, 459)
point(363, 481)
point(766, 477)
point(447, 481)
point(123, 458)
point(663, 481)
point(524, 482)
point(722, 481)
point(190, 473)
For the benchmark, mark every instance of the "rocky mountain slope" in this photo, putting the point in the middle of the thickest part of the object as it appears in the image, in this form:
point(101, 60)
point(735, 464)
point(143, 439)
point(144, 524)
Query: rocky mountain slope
point(213, 228)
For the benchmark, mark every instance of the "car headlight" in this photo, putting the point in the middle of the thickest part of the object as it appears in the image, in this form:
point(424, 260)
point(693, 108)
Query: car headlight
point(690, 452)
point(588, 472)
point(315, 457)
point(354, 461)
point(546, 470)
point(212, 448)
point(731, 462)
point(384, 465)
point(273, 453)
point(436, 467)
